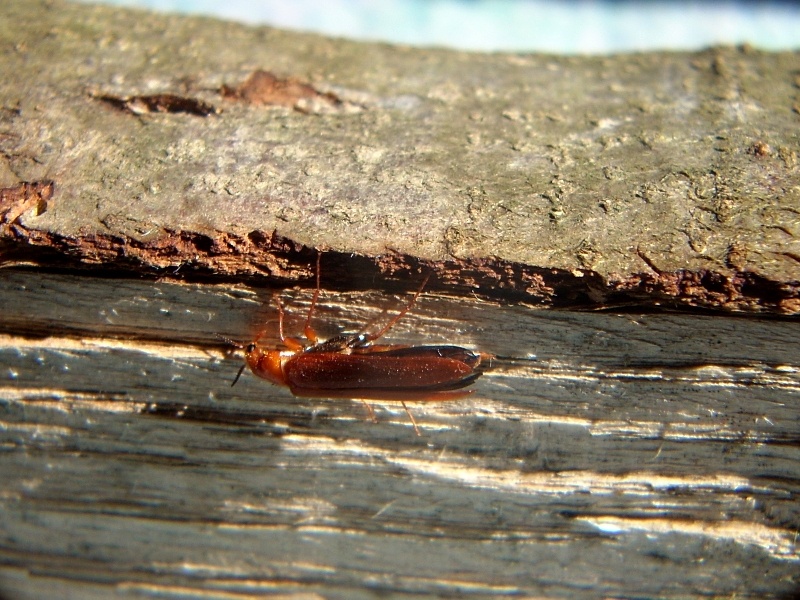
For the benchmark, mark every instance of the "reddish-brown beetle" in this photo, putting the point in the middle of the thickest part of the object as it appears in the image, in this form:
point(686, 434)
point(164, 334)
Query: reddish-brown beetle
point(352, 366)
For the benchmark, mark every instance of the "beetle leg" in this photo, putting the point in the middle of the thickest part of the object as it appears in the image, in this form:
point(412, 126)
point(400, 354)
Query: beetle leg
point(413, 420)
point(308, 331)
point(291, 343)
point(371, 412)
point(408, 412)
point(280, 319)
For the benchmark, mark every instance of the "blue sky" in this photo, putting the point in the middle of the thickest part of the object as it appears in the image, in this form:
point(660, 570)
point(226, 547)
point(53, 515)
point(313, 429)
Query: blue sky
point(568, 26)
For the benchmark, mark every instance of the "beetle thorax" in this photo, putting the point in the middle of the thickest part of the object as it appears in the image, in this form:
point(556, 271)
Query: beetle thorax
point(267, 364)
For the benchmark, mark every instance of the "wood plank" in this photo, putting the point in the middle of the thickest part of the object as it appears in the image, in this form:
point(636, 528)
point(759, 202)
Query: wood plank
point(603, 454)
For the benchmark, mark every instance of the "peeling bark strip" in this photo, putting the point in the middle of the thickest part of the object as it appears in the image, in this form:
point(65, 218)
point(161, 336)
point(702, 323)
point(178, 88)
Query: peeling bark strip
point(15, 201)
point(707, 289)
point(159, 103)
point(259, 255)
point(265, 88)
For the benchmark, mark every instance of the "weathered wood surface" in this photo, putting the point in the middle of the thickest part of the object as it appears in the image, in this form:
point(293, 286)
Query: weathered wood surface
point(654, 178)
point(602, 455)
point(616, 455)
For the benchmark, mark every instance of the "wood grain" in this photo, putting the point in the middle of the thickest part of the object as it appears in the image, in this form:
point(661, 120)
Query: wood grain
point(616, 455)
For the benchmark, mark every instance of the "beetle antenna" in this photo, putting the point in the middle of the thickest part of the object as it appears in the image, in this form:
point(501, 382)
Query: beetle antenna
point(374, 336)
point(237, 345)
point(291, 343)
point(229, 341)
point(239, 374)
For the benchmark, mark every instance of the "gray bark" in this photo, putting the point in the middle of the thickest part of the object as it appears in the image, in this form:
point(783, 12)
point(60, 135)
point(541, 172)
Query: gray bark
point(652, 178)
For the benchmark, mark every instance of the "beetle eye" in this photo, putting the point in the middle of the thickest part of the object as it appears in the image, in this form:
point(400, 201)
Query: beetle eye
point(251, 347)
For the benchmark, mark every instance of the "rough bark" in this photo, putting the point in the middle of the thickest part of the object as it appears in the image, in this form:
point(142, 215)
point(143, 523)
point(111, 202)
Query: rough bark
point(189, 143)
